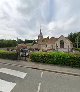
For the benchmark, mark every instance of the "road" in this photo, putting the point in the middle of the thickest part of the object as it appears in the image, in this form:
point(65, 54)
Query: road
point(20, 79)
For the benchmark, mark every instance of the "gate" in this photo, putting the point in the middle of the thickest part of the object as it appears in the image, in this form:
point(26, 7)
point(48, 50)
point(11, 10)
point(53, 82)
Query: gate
point(23, 54)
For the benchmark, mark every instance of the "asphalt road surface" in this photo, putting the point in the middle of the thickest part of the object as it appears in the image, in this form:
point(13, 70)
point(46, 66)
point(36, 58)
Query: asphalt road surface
point(19, 79)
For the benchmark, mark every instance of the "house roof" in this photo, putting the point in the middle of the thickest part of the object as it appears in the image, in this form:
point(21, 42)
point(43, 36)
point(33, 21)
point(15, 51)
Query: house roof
point(52, 40)
point(65, 38)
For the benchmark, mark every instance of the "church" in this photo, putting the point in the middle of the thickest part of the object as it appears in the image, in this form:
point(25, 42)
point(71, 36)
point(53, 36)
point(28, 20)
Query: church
point(54, 44)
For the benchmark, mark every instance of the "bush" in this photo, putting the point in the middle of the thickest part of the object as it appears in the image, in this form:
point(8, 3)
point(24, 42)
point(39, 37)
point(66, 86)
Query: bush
point(57, 58)
point(8, 55)
point(78, 49)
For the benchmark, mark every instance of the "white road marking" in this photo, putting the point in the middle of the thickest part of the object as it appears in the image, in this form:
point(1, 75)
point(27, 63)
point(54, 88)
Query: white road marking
point(13, 72)
point(13, 64)
point(41, 74)
point(6, 86)
point(39, 87)
point(6, 64)
point(19, 65)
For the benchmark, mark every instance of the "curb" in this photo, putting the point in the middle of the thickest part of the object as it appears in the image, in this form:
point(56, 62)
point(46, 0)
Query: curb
point(48, 70)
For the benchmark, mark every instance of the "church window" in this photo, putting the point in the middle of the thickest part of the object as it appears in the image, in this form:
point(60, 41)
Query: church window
point(61, 44)
point(46, 45)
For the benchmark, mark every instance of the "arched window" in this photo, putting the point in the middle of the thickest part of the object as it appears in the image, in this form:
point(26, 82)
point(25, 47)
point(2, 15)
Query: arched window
point(61, 44)
point(46, 45)
point(56, 45)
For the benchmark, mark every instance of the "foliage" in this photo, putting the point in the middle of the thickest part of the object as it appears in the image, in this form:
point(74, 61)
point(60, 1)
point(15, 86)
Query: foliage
point(29, 41)
point(8, 55)
point(57, 58)
point(7, 43)
point(73, 38)
point(19, 41)
point(78, 49)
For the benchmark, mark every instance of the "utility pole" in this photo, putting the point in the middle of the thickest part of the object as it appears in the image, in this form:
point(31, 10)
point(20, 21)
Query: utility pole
point(77, 42)
point(68, 48)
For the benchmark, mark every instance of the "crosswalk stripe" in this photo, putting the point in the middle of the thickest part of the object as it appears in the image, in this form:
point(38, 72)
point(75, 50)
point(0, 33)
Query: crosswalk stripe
point(13, 72)
point(6, 86)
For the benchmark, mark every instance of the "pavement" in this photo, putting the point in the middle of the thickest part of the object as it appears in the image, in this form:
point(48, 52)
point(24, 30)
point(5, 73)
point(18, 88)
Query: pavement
point(21, 76)
point(44, 67)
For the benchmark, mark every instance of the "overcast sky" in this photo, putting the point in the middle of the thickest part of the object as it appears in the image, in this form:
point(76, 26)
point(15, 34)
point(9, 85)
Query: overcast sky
point(22, 18)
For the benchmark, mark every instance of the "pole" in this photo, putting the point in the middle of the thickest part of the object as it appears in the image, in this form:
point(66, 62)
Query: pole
point(77, 42)
point(68, 48)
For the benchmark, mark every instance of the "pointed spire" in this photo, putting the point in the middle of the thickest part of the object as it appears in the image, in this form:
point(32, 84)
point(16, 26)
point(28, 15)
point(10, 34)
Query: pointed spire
point(40, 36)
point(40, 30)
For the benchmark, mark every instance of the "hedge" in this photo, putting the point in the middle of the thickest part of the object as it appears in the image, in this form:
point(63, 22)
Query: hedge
point(78, 49)
point(57, 58)
point(8, 55)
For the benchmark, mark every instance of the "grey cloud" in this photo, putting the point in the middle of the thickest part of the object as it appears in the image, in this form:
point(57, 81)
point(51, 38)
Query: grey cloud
point(23, 17)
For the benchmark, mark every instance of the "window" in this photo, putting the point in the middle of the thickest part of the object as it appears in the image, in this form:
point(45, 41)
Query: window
point(61, 44)
point(46, 45)
point(56, 46)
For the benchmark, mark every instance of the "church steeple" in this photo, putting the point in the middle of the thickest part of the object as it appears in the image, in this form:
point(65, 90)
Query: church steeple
point(40, 36)
point(40, 32)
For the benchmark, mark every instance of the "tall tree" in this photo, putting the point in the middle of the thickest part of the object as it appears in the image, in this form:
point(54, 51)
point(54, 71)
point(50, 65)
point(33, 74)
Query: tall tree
point(75, 39)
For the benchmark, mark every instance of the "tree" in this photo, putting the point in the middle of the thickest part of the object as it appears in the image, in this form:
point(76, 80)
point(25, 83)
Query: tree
point(75, 38)
point(19, 41)
point(28, 41)
point(7, 43)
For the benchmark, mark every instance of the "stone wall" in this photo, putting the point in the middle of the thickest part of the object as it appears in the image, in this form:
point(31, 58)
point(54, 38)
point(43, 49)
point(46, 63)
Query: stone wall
point(67, 44)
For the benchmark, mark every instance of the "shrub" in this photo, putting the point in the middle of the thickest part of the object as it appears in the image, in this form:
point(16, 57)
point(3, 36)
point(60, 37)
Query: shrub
point(78, 49)
point(57, 58)
point(8, 55)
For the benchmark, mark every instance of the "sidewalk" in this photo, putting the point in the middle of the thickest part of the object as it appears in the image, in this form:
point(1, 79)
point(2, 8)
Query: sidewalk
point(44, 67)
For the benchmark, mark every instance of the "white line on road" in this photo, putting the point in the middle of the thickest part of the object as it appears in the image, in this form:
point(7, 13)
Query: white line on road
point(13, 72)
point(41, 74)
point(39, 87)
point(6, 64)
point(13, 64)
point(6, 86)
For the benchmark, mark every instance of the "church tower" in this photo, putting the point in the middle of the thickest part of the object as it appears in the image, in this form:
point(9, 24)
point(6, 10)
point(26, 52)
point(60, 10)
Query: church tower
point(40, 36)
